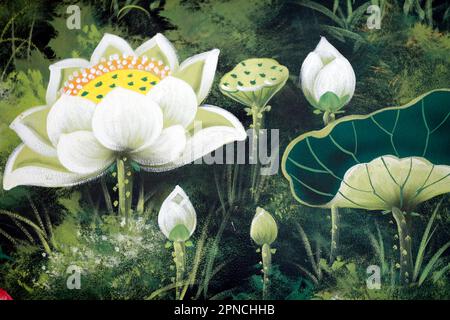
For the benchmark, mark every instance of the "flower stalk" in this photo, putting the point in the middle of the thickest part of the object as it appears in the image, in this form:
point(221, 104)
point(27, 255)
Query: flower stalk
point(334, 232)
point(328, 117)
point(266, 253)
point(179, 257)
point(177, 220)
point(404, 235)
point(253, 82)
point(257, 123)
point(264, 231)
point(125, 187)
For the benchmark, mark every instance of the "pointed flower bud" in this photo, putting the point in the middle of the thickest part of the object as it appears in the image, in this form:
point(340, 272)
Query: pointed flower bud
point(327, 78)
point(177, 218)
point(264, 229)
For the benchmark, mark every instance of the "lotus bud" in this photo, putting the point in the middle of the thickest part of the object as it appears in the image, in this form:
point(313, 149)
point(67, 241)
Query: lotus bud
point(264, 229)
point(327, 78)
point(177, 218)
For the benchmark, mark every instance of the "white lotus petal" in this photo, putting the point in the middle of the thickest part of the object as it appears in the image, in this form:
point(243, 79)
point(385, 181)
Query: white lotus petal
point(110, 45)
point(218, 127)
point(160, 48)
point(199, 71)
point(59, 73)
point(31, 127)
point(176, 99)
point(125, 120)
point(338, 77)
point(69, 114)
point(80, 152)
point(310, 69)
point(327, 51)
point(168, 147)
point(26, 167)
point(175, 210)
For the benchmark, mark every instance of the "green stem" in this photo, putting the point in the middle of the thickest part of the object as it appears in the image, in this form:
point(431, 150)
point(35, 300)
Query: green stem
point(257, 119)
point(328, 117)
point(125, 186)
point(106, 195)
point(267, 262)
point(404, 235)
point(141, 198)
point(334, 232)
point(13, 47)
point(179, 250)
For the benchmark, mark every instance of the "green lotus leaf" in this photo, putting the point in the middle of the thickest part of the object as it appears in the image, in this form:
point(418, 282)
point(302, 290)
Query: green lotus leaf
point(395, 157)
point(253, 82)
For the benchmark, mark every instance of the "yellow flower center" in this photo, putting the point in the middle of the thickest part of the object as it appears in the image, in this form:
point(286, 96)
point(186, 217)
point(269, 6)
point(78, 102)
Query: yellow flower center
point(138, 74)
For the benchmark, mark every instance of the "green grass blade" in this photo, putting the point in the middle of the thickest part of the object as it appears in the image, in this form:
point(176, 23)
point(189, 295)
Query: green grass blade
point(358, 14)
point(419, 10)
point(378, 246)
point(438, 274)
point(126, 9)
point(429, 267)
point(25, 231)
point(324, 10)
point(38, 230)
point(343, 33)
point(9, 237)
point(446, 14)
point(349, 9)
point(429, 11)
point(37, 215)
point(308, 248)
point(424, 242)
point(335, 5)
point(407, 5)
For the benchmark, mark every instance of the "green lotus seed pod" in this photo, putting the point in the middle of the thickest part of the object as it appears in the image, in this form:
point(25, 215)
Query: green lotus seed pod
point(253, 82)
point(264, 229)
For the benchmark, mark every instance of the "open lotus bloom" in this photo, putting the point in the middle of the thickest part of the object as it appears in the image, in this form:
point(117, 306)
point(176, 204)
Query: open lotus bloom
point(136, 103)
point(327, 78)
point(177, 218)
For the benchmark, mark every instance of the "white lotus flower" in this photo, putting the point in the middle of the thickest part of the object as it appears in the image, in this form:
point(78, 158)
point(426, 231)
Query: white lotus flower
point(177, 218)
point(264, 229)
point(327, 78)
point(136, 103)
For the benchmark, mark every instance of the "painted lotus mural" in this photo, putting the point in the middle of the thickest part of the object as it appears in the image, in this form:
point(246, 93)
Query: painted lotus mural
point(237, 150)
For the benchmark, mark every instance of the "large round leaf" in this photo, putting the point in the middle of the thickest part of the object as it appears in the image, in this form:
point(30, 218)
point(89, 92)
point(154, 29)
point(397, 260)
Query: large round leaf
point(397, 156)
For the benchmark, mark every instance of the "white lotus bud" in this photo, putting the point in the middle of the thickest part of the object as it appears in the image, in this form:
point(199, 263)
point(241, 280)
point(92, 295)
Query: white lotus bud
point(177, 218)
point(327, 78)
point(264, 229)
